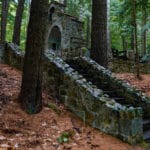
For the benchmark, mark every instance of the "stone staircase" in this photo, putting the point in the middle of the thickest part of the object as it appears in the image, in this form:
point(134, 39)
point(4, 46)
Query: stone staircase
point(146, 129)
point(92, 93)
point(107, 90)
point(110, 91)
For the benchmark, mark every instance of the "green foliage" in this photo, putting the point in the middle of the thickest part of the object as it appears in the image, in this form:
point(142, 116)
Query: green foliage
point(84, 50)
point(144, 144)
point(120, 19)
point(80, 9)
point(65, 136)
point(54, 108)
point(11, 19)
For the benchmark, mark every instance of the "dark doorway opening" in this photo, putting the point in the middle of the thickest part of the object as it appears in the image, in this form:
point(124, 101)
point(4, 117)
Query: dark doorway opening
point(52, 10)
point(54, 46)
point(55, 39)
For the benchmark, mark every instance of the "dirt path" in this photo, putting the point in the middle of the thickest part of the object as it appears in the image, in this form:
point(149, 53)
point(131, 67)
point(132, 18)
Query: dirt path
point(40, 132)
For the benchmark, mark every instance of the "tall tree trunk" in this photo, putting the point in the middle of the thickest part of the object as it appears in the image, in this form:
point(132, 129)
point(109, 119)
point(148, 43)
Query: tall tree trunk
point(132, 33)
point(109, 51)
point(135, 38)
point(99, 36)
point(124, 44)
point(18, 21)
point(88, 32)
point(31, 89)
point(5, 6)
point(143, 34)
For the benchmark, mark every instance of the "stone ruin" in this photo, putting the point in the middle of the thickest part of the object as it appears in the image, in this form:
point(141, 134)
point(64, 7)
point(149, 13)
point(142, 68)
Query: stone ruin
point(93, 93)
point(85, 87)
point(65, 36)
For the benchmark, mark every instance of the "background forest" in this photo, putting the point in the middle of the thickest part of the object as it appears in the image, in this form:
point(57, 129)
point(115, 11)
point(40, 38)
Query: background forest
point(120, 21)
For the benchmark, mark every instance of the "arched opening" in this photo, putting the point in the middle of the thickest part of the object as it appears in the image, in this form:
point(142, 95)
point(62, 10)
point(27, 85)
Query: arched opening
point(55, 39)
point(51, 11)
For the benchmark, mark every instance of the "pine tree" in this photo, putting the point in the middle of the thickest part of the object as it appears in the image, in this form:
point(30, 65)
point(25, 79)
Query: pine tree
point(18, 20)
point(31, 89)
point(5, 6)
point(99, 37)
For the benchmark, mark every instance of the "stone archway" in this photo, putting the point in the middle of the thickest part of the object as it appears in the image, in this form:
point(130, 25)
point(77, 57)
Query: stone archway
point(51, 11)
point(55, 39)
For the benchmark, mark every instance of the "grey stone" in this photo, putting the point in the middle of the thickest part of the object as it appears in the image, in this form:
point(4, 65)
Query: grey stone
point(85, 99)
point(65, 35)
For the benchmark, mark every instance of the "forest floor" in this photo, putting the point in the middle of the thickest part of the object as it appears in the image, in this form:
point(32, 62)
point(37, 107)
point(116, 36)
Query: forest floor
point(21, 131)
point(142, 84)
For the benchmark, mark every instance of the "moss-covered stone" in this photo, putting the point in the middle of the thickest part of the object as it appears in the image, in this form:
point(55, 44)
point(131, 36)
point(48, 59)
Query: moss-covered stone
point(86, 100)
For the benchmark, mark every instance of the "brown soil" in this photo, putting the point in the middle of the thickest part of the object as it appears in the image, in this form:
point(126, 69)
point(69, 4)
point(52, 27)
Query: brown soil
point(142, 84)
point(21, 131)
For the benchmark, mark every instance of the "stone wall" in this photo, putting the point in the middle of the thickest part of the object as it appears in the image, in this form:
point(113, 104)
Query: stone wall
point(133, 97)
point(69, 27)
point(120, 66)
point(13, 56)
point(84, 99)
point(89, 103)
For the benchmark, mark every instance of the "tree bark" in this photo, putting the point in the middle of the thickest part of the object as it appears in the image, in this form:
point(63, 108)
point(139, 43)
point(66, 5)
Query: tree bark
point(124, 44)
point(5, 7)
point(135, 38)
point(88, 32)
point(132, 34)
point(132, 29)
point(109, 51)
point(99, 36)
point(31, 89)
point(143, 34)
point(18, 21)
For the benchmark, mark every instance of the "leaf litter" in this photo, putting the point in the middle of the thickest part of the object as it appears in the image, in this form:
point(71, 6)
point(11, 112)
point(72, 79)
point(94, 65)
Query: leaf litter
point(54, 128)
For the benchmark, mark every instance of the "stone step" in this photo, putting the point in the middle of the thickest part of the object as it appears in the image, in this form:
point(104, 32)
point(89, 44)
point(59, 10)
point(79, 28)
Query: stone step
point(146, 124)
point(109, 92)
point(101, 85)
point(118, 98)
point(146, 121)
point(146, 135)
